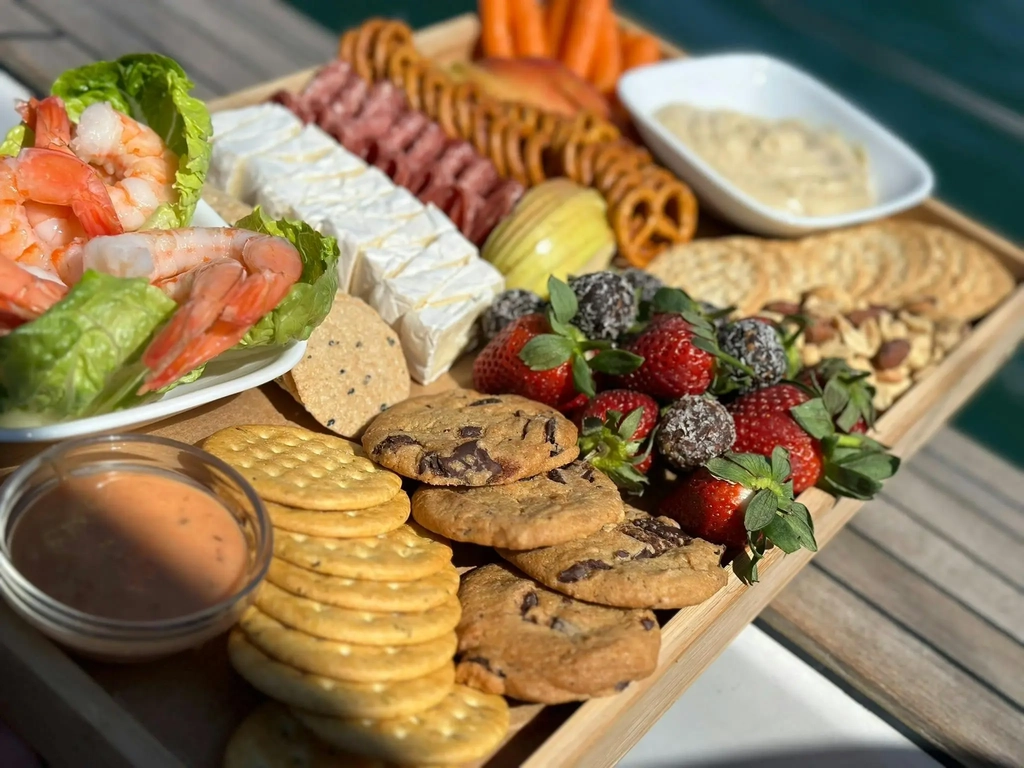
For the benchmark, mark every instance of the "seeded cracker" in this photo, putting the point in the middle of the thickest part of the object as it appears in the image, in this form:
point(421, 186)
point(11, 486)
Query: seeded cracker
point(354, 368)
point(351, 523)
point(271, 737)
point(302, 469)
point(364, 627)
point(364, 594)
point(327, 696)
point(466, 726)
point(345, 661)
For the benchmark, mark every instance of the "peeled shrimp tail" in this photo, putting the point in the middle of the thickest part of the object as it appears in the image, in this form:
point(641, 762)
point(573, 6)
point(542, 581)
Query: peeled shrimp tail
point(49, 120)
point(226, 298)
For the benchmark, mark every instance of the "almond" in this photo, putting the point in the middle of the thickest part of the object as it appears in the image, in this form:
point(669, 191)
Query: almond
point(891, 354)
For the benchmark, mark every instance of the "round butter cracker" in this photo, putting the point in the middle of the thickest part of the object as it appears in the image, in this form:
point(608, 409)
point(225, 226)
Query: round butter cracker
point(363, 627)
point(365, 594)
point(467, 726)
point(294, 466)
point(338, 698)
point(350, 523)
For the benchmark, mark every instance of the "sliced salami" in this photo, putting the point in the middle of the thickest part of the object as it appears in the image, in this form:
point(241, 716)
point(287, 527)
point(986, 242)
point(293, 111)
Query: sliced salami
point(428, 146)
point(479, 177)
point(456, 156)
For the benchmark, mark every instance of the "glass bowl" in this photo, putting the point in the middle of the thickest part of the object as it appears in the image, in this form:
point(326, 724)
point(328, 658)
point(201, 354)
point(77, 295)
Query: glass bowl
point(118, 639)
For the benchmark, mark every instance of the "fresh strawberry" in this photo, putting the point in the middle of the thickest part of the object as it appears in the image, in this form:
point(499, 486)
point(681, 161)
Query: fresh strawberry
point(763, 421)
point(673, 364)
point(498, 368)
point(613, 428)
point(547, 359)
point(739, 500)
point(789, 416)
point(624, 401)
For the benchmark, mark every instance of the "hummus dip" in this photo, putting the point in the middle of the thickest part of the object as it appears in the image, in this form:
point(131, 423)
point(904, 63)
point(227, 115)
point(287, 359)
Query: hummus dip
point(784, 164)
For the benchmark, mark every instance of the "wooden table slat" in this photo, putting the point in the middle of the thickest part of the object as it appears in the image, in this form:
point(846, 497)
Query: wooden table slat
point(937, 699)
point(281, 23)
point(953, 513)
point(33, 49)
point(967, 580)
point(926, 611)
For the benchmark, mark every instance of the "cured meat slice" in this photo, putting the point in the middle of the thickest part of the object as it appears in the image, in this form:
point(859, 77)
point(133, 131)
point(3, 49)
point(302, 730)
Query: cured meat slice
point(296, 104)
point(353, 95)
point(456, 156)
point(429, 145)
point(479, 177)
point(405, 133)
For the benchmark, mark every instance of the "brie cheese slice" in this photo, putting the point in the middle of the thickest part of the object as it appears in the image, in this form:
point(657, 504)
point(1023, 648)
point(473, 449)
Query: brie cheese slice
point(354, 233)
point(286, 158)
point(234, 150)
point(423, 228)
point(228, 120)
point(435, 336)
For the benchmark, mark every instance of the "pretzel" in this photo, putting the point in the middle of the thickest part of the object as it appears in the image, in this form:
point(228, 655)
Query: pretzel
point(648, 207)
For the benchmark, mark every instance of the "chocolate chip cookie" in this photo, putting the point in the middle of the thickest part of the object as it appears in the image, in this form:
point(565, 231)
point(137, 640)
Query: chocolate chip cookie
point(559, 505)
point(518, 639)
point(462, 437)
point(642, 562)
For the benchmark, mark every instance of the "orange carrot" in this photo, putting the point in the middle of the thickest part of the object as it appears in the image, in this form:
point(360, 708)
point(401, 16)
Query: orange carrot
point(528, 29)
point(557, 18)
point(643, 49)
point(582, 33)
point(606, 65)
point(496, 28)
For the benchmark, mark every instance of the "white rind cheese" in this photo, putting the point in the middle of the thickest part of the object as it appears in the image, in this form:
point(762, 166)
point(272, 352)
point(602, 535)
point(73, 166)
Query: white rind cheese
point(406, 259)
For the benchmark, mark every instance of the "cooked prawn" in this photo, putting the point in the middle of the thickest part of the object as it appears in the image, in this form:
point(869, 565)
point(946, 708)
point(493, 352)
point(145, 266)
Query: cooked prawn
point(24, 295)
point(48, 200)
point(224, 281)
point(48, 119)
point(136, 165)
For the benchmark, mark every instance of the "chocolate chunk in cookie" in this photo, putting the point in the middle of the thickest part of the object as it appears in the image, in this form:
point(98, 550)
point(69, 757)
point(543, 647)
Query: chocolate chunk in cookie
point(465, 438)
point(562, 504)
point(642, 562)
point(521, 640)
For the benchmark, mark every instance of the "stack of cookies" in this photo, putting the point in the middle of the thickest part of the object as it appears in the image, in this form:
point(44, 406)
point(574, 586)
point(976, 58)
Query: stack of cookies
point(353, 629)
point(574, 621)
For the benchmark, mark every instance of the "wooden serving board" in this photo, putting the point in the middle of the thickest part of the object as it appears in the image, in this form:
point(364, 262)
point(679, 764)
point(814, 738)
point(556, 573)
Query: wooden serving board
point(181, 710)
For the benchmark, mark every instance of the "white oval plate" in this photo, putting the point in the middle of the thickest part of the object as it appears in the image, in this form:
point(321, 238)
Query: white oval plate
point(229, 374)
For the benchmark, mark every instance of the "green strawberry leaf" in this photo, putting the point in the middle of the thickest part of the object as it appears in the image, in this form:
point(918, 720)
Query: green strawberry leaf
point(835, 397)
point(754, 463)
point(814, 418)
point(547, 351)
point(629, 425)
point(782, 534)
point(671, 300)
point(563, 301)
point(582, 378)
point(724, 468)
point(761, 510)
point(616, 362)
point(801, 513)
point(557, 326)
point(781, 469)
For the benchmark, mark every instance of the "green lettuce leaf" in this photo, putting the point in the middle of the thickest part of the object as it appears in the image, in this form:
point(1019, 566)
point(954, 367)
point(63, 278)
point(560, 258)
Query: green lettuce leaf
point(16, 138)
point(310, 299)
point(56, 366)
point(154, 90)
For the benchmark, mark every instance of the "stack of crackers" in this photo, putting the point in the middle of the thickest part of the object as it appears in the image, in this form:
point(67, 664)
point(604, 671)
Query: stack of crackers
point(353, 629)
point(571, 617)
point(890, 264)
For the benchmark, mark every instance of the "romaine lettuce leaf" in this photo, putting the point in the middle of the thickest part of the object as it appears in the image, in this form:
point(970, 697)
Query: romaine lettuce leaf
point(16, 138)
point(154, 90)
point(310, 299)
point(56, 366)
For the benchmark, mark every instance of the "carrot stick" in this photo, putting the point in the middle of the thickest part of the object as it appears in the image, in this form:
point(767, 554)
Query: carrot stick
point(496, 28)
point(557, 17)
point(607, 63)
point(643, 49)
point(528, 29)
point(582, 33)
